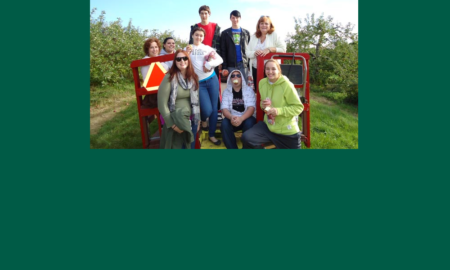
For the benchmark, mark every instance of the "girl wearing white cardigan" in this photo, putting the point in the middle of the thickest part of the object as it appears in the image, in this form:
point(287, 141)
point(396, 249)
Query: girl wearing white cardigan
point(264, 41)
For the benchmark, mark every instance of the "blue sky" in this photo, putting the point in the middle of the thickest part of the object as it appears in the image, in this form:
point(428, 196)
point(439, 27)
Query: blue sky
point(179, 15)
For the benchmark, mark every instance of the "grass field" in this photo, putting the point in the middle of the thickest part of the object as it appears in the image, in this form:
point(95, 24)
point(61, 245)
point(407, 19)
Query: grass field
point(114, 122)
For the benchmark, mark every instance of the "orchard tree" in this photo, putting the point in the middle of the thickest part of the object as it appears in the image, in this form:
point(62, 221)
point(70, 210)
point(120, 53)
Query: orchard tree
point(319, 33)
point(334, 51)
point(113, 47)
point(179, 43)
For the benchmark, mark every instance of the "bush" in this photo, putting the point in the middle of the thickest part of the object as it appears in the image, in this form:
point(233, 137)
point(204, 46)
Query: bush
point(334, 54)
point(352, 94)
point(113, 47)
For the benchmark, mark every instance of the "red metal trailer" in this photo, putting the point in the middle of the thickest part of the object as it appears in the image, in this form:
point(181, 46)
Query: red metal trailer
point(301, 82)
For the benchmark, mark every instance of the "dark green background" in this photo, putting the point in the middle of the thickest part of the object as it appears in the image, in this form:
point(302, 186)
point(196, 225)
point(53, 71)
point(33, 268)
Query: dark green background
point(65, 206)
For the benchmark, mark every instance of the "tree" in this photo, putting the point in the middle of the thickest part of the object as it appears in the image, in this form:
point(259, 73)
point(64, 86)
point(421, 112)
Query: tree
point(334, 51)
point(113, 47)
point(319, 33)
point(179, 43)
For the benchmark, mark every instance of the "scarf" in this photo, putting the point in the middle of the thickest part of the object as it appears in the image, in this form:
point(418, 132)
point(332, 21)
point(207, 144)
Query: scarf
point(195, 108)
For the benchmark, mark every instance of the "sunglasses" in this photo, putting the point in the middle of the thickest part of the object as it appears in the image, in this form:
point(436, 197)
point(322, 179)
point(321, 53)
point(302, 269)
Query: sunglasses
point(235, 75)
point(264, 16)
point(185, 58)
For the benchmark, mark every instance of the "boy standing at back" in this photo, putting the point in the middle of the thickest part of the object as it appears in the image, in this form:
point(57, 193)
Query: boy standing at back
point(233, 43)
point(212, 37)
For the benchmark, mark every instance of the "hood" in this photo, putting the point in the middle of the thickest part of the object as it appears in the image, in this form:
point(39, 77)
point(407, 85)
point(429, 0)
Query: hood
point(230, 83)
point(247, 94)
point(163, 52)
point(281, 80)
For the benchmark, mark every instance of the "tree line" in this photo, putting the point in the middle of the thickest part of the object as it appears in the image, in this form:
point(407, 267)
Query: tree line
point(113, 47)
point(332, 46)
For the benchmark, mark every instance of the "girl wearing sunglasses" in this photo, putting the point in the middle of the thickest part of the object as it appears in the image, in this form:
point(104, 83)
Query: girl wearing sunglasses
point(238, 108)
point(209, 84)
point(178, 103)
point(264, 41)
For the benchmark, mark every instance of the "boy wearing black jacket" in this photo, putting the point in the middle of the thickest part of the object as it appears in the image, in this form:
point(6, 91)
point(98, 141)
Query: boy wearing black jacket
point(233, 42)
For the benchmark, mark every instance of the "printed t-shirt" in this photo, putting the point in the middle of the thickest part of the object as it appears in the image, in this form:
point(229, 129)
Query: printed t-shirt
point(238, 102)
point(237, 41)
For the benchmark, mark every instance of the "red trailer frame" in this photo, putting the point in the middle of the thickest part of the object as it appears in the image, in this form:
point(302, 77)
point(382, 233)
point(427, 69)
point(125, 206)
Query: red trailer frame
point(142, 91)
point(305, 115)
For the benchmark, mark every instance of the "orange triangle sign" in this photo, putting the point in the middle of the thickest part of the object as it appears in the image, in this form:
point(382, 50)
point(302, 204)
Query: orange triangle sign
point(154, 77)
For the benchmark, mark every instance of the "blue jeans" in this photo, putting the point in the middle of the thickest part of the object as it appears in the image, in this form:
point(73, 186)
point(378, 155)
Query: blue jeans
point(228, 131)
point(209, 99)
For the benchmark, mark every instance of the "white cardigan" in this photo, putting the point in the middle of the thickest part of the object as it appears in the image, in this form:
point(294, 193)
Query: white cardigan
point(272, 40)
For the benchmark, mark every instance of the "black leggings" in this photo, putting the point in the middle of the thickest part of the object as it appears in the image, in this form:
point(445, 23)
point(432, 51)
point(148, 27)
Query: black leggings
point(260, 134)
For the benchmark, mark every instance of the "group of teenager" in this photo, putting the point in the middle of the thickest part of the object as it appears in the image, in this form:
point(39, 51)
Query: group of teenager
point(188, 95)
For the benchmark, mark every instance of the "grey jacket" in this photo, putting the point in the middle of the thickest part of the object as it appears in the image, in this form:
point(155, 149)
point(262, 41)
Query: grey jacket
point(248, 95)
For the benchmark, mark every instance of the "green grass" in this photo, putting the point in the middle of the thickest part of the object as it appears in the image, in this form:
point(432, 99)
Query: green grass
point(333, 125)
point(107, 96)
point(122, 131)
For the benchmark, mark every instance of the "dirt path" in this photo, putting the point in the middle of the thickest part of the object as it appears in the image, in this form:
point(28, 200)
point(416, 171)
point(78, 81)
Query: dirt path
point(101, 115)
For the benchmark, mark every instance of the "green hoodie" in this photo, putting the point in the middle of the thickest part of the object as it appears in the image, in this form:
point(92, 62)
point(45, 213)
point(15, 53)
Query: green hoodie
point(285, 99)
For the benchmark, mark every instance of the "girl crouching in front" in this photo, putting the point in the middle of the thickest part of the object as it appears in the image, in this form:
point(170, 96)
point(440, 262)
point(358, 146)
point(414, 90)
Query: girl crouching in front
point(282, 105)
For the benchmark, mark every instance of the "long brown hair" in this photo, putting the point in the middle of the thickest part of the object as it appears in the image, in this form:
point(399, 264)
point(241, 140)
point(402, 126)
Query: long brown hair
point(258, 33)
point(190, 73)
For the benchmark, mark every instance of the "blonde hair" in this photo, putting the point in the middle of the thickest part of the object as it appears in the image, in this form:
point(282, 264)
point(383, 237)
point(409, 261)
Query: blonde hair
point(276, 64)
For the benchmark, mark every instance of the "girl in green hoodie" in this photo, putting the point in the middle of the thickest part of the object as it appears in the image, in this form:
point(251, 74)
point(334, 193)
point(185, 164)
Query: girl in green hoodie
point(280, 101)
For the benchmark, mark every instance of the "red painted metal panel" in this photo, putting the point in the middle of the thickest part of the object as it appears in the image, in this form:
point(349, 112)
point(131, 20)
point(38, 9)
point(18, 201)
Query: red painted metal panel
point(141, 91)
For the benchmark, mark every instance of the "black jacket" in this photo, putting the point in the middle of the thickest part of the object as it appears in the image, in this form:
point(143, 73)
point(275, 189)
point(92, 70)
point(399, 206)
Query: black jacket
point(228, 48)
